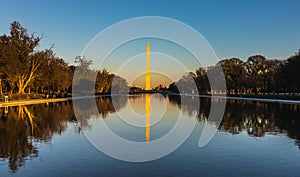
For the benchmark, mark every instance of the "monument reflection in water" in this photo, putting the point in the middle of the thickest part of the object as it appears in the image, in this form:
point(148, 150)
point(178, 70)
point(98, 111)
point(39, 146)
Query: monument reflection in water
point(147, 114)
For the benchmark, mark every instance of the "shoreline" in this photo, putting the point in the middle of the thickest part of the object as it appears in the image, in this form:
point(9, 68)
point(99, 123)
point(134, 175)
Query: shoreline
point(54, 100)
point(269, 100)
point(33, 101)
point(44, 100)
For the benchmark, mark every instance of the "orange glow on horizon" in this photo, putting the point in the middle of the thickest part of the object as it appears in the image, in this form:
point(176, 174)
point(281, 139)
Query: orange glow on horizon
point(156, 79)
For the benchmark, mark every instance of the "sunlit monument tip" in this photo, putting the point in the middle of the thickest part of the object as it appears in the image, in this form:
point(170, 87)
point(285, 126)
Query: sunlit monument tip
point(148, 76)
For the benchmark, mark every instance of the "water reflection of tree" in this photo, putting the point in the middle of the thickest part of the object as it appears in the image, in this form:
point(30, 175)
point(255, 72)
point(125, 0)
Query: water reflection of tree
point(25, 125)
point(256, 118)
point(14, 143)
point(86, 108)
point(259, 119)
point(188, 104)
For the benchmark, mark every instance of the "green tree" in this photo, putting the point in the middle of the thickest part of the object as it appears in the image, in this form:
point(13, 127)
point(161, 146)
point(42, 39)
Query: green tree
point(187, 84)
point(290, 72)
point(20, 59)
point(60, 73)
point(83, 62)
point(270, 77)
point(119, 85)
point(234, 74)
point(255, 67)
point(104, 81)
point(83, 70)
point(202, 80)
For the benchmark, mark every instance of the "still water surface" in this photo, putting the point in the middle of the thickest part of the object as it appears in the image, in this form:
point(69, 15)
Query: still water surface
point(254, 139)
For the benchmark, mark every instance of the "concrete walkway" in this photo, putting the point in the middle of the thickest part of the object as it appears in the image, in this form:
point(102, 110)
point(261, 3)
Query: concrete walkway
point(33, 101)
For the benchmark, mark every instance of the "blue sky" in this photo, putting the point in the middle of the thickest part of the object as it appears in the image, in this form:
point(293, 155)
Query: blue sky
point(238, 28)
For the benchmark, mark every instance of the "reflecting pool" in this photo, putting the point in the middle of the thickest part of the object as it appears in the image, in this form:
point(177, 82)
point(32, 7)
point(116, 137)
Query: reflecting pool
point(253, 139)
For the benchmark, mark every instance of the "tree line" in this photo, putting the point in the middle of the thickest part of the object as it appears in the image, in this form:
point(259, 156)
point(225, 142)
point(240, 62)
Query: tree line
point(257, 75)
point(24, 69)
